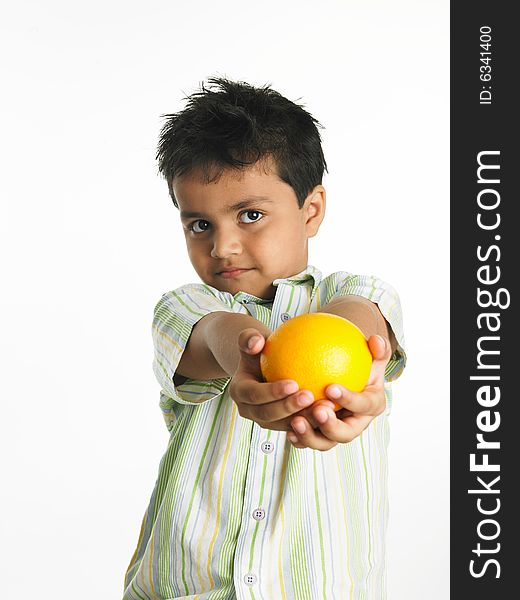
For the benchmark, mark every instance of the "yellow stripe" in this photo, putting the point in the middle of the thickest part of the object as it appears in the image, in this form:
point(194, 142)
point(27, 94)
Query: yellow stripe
point(220, 483)
point(170, 339)
point(377, 440)
point(345, 518)
point(280, 572)
point(283, 475)
point(141, 532)
point(150, 571)
point(208, 513)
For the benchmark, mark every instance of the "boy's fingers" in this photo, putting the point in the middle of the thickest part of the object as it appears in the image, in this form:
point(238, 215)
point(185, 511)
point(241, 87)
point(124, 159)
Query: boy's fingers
point(367, 402)
point(284, 408)
point(345, 430)
point(381, 353)
point(331, 432)
point(317, 408)
point(307, 437)
point(284, 424)
point(276, 414)
point(254, 392)
point(270, 404)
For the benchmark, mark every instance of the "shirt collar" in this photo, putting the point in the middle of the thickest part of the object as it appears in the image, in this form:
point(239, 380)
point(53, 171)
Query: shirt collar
point(309, 274)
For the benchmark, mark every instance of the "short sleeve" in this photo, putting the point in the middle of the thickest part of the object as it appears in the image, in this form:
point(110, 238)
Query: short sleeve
point(389, 304)
point(175, 315)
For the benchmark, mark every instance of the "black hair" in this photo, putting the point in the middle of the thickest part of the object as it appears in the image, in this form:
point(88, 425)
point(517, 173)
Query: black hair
point(237, 125)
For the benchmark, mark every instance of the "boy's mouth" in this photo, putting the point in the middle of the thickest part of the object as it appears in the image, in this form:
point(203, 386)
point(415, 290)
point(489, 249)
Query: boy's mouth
point(232, 272)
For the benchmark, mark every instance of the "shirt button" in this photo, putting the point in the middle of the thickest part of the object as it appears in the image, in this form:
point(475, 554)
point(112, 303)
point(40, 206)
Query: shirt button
point(267, 447)
point(258, 514)
point(250, 579)
point(285, 316)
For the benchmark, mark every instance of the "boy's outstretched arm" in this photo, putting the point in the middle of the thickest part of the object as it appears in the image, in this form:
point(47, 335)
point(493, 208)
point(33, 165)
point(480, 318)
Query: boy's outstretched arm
point(212, 349)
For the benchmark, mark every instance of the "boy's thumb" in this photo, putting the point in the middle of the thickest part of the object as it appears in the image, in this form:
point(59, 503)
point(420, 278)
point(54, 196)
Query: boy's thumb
point(252, 341)
point(249, 340)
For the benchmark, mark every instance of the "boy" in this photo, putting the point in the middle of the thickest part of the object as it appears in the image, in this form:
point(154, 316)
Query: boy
point(261, 493)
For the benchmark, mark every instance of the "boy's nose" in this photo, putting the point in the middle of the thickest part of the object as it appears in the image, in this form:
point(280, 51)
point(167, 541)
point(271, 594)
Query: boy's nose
point(225, 244)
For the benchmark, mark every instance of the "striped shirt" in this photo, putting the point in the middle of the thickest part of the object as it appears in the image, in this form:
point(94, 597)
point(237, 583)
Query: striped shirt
point(237, 511)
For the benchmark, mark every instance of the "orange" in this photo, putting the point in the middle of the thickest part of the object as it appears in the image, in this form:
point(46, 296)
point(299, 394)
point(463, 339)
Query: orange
point(315, 350)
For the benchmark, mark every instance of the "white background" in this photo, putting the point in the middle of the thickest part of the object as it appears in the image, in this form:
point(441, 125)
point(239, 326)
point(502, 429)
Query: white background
point(90, 241)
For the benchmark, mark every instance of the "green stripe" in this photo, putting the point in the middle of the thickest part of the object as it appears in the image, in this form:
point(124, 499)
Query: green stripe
point(236, 494)
point(187, 306)
point(368, 501)
point(197, 478)
point(318, 515)
point(137, 593)
point(262, 485)
point(300, 578)
point(290, 299)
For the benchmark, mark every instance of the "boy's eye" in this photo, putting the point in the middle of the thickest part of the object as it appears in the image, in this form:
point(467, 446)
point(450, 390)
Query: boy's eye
point(248, 216)
point(199, 226)
point(254, 215)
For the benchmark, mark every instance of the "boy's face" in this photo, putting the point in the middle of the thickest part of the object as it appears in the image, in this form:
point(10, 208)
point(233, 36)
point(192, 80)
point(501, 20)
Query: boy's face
point(247, 220)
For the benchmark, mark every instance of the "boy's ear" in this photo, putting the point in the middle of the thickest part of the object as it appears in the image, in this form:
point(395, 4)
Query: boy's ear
point(314, 208)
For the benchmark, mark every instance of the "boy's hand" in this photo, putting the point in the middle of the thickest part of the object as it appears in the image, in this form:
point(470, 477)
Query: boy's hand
point(358, 408)
point(271, 405)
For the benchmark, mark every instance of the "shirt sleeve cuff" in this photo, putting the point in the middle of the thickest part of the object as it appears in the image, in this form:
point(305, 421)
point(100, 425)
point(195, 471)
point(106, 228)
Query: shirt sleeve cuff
point(175, 315)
